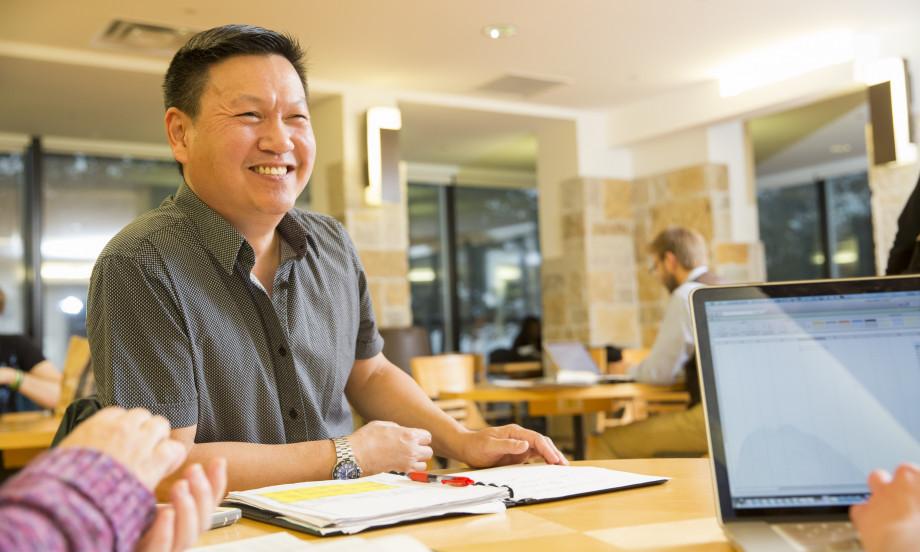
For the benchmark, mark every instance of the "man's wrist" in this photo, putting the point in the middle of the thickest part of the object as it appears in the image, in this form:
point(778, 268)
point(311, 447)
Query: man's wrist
point(454, 445)
point(346, 465)
point(18, 376)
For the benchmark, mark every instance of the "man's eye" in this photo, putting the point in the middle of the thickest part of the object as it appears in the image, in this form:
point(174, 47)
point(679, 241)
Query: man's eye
point(249, 114)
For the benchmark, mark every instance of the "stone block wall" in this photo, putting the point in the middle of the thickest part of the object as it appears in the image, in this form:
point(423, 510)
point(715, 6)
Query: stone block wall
point(381, 236)
point(590, 293)
point(694, 197)
point(890, 187)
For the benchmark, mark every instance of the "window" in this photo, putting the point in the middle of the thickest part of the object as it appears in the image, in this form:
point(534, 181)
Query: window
point(474, 264)
point(12, 320)
point(87, 200)
point(817, 230)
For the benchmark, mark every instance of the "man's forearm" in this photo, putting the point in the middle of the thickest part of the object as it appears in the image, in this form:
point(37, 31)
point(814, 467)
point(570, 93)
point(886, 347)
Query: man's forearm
point(389, 394)
point(44, 392)
point(254, 465)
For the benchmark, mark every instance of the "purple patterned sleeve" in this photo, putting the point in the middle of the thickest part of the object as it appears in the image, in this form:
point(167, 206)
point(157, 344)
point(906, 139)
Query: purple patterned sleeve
point(74, 499)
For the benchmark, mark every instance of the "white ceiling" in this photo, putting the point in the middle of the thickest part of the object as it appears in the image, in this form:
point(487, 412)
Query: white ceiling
point(465, 137)
point(610, 52)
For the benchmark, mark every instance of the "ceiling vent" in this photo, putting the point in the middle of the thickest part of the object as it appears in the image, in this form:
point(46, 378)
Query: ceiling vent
point(143, 37)
point(521, 85)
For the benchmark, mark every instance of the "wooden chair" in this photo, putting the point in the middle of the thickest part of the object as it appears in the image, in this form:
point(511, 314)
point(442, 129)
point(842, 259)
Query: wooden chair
point(451, 372)
point(75, 365)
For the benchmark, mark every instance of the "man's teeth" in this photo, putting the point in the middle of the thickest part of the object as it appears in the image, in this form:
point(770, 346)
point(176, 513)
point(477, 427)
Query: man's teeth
point(273, 171)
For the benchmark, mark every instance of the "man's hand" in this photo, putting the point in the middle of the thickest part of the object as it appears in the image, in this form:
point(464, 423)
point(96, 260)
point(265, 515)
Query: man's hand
point(384, 446)
point(134, 438)
point(509, 444)
point(890, 519)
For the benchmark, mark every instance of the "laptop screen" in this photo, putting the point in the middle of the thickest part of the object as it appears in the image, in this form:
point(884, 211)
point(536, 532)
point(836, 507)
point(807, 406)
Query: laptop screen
point(812, 391)
point(571, 357)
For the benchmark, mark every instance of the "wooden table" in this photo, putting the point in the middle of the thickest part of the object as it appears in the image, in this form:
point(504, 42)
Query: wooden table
point(25, 435)
point(678, 516)
point(574, 400)
point(533, 369)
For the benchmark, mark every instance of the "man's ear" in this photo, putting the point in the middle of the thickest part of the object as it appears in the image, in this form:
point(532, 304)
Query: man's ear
point(670, 261)
point(178, 132)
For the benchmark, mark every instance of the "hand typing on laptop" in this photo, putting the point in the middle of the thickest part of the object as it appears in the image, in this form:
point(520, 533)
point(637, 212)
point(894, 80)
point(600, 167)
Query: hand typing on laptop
point(890, 519)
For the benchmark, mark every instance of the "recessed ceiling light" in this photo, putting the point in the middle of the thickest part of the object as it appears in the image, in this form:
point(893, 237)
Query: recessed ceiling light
point(499, 31)
point(841, 148)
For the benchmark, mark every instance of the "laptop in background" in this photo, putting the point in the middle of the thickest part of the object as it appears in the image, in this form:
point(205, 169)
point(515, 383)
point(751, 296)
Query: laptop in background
point(807, 388)
point(567, 363)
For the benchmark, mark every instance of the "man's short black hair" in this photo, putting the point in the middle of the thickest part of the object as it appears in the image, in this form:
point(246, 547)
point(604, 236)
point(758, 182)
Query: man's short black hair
point(188, 71)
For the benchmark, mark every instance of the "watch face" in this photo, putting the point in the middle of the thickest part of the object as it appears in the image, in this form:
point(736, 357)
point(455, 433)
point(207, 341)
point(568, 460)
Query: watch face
point(346, 469)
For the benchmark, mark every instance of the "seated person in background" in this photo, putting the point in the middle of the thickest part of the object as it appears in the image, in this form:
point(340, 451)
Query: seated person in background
point(679, 260)
point(528, 345)
point(94, 491)
point(890, 520)
point(246, 322)
point(25, 374)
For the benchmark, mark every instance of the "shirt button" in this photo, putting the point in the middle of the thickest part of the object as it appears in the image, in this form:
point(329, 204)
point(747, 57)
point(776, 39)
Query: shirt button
point(282, 285)
point(282, 351)
point(293, 414)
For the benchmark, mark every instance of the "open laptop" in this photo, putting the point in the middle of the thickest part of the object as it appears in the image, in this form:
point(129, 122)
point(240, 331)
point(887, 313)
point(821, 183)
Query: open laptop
point(807, 388)
point(569, 364)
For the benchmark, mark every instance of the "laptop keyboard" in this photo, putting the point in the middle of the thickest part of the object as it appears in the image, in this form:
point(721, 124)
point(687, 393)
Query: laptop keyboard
point(814, 537)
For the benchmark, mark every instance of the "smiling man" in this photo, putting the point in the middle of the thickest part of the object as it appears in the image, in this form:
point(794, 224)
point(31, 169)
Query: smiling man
point(247, 323)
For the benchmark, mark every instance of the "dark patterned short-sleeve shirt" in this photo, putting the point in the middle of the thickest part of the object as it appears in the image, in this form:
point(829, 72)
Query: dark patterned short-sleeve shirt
point(178, 325)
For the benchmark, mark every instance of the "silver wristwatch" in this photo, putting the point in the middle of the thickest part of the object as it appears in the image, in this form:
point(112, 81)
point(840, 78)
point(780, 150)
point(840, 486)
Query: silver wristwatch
point(346, 467)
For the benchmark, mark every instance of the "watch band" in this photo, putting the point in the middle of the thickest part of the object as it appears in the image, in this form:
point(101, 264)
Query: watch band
point(343, 450)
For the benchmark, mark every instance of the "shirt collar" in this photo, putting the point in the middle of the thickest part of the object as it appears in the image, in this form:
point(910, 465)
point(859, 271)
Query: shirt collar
point(226, 243)
point(697, 272)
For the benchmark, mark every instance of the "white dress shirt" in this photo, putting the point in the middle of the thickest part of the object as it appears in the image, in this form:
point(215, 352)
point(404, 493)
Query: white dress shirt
point(674, 344)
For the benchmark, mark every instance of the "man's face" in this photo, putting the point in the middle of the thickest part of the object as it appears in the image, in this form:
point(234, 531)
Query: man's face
point(250, 151)
point(663, 268)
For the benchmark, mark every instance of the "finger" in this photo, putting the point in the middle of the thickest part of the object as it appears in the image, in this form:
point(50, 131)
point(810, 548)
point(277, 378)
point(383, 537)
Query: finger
point(169, 454)
point(422, 437)
point(134, 418)
point(217, 475)
point(159, 536)
point(877, 480)
point(151, 432)
point(553, 451)
point(156, 427)
point(423, 453)
point(418, 466)
point(507, 446)
point(200, 488)
point(541, 447)
point(857, 511)
point(165, 458)
point(904, 474)
point(186, 525)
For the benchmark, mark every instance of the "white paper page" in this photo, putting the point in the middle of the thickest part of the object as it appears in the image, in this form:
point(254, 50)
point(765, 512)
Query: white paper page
point(385, 495)
point(495, 507)
point(543, 482)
